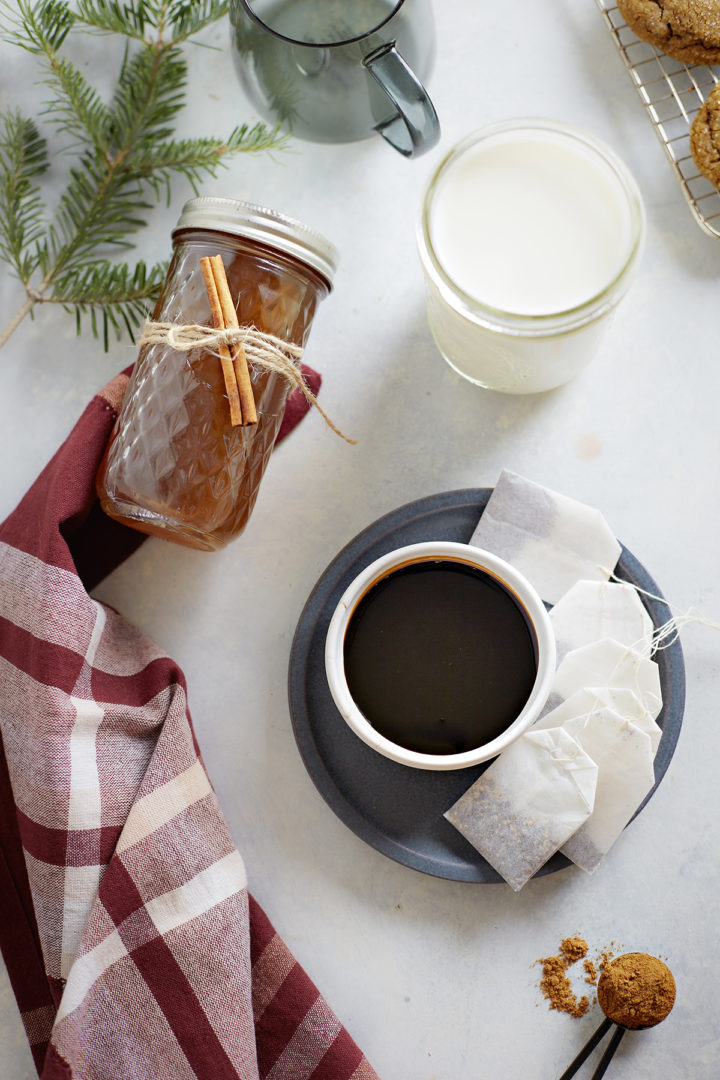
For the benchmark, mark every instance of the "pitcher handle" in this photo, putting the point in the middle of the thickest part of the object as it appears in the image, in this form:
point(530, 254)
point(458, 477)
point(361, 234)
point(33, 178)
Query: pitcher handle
point(415, 127)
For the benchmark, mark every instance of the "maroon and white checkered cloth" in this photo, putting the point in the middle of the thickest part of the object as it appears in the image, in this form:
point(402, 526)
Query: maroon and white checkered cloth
point(133, 947)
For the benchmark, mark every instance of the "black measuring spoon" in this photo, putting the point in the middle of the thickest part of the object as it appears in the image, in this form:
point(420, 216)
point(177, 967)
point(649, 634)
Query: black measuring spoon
point(645, 981)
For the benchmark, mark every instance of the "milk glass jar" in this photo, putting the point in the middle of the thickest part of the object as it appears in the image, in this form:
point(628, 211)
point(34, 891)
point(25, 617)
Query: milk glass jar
point(175, 466)
point(529, 236)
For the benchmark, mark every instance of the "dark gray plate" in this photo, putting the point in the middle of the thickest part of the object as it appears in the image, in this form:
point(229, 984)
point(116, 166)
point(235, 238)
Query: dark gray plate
point(395, 809)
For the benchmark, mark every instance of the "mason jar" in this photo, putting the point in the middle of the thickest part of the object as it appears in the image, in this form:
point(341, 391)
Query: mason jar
point(175, 466)
point(529, 237)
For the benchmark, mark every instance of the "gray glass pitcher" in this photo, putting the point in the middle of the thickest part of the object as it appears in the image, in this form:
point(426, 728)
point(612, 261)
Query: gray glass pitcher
point(337, 70)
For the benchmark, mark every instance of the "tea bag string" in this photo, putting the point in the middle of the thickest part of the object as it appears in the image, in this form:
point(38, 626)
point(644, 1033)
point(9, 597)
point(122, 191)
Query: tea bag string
point(667, 633)
point(264, 350)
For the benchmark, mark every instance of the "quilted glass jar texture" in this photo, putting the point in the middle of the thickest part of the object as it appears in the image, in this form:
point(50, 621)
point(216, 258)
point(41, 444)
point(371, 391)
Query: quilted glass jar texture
point(175, 466)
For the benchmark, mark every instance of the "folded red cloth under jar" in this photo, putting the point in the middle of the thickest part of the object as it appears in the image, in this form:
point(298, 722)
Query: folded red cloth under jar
point(131, 942)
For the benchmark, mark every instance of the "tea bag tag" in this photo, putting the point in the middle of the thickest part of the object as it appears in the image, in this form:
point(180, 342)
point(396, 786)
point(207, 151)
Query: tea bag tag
point(528, 803)
point(608, 663)
point(593, 610)
point(552, 539)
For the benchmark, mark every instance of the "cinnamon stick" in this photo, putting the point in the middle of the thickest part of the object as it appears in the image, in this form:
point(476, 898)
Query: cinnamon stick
point(242, 375)
point(228, 368)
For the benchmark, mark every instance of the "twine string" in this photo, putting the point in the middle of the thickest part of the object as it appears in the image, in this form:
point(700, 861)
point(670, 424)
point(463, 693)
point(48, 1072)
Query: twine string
point(264, 350)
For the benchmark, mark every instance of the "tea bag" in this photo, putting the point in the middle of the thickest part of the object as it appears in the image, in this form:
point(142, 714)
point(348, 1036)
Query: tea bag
point(619, 699)
point(592, 610)
point(624, 759)
point(552, 539)
point(528, 803)
point(608, 663)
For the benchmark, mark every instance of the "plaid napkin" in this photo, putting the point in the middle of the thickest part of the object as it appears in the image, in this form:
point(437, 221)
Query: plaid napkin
point(133, 946)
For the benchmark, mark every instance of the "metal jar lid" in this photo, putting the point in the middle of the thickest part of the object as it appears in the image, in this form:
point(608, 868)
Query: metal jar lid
point(267, 226)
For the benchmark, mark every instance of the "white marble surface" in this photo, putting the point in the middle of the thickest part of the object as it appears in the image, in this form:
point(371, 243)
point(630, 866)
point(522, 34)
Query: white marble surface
point(435, 980)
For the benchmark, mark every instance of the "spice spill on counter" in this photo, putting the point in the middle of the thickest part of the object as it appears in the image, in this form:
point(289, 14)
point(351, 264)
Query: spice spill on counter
point(555, 982)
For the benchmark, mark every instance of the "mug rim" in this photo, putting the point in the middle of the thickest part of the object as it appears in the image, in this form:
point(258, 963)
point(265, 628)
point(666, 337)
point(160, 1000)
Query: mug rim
point(320, 44)
point(523, 592)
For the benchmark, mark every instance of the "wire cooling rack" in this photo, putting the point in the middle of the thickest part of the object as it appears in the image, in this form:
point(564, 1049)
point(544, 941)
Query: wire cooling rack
point(672, 93)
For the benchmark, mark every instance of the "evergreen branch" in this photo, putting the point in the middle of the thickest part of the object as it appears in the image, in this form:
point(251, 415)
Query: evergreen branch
point(128, 154)
point(251, 140)
point(104, 201)
point(23, 156)
point(150, 93)
point(77, 106)
point(189, 17)
point(113, 17)
point(37, 27)
point(114, 295)
point(100, 206)
point(74, 105)
point(184, 18)
point(197, 158)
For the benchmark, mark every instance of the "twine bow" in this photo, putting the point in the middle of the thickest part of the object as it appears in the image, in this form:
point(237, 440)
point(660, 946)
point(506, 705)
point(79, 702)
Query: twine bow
point(264, 350)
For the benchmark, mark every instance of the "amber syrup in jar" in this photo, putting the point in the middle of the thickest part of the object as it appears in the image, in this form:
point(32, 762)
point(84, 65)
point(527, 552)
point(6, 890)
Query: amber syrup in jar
point(175, 466)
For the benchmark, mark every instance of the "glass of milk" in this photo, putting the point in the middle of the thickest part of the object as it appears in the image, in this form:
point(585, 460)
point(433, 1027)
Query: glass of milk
point(529, 236)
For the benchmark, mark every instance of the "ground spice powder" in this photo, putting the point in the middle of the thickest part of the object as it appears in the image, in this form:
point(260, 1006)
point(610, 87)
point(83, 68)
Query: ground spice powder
point(636, 990)
point(555, 983)
point(591, 973)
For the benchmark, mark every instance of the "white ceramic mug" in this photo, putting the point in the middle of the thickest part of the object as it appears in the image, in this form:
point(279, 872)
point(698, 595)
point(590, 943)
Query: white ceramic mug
point(524, 595)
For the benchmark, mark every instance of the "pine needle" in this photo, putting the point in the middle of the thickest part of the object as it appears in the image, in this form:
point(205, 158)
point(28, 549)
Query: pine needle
point(23, 156)
point(126, 155)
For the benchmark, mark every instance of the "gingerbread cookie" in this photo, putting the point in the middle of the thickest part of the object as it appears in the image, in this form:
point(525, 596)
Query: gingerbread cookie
point(688, 30)
point(705, 137)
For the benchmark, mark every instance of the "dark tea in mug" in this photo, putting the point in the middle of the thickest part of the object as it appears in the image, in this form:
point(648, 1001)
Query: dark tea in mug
point(440, 656)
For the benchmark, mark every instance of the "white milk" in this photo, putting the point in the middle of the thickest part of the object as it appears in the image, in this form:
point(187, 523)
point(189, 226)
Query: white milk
point(529, 235)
